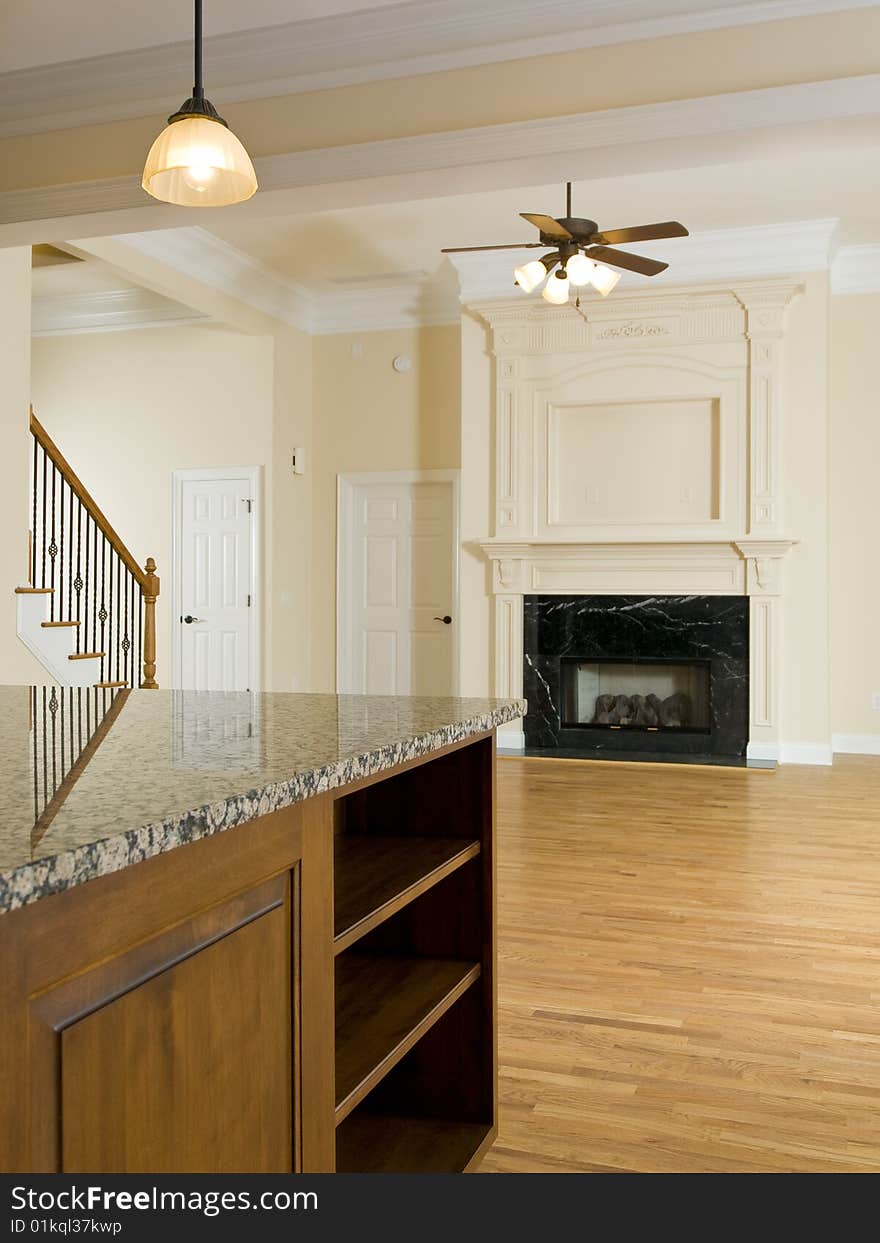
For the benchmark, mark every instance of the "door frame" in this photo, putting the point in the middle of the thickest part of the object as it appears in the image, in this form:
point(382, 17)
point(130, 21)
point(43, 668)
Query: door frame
point(345, 513)
point(254, 477)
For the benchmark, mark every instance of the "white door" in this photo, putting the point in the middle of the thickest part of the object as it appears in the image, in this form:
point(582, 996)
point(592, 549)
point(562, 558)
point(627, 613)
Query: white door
point(215, 586)
point(397, 584)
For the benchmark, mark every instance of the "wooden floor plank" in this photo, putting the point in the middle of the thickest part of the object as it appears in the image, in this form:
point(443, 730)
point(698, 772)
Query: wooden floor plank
point(689, 969)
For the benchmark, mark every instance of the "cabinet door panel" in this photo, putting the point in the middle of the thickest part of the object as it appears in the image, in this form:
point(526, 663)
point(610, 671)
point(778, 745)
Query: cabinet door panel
point(189, 1071)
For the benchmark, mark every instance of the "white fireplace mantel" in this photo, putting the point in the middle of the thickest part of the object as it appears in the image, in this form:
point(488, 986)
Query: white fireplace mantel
point(574, 393)
point(746, 566)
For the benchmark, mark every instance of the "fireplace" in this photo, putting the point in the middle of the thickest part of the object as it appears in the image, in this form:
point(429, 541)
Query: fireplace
point(651, 694)
point(637, 676)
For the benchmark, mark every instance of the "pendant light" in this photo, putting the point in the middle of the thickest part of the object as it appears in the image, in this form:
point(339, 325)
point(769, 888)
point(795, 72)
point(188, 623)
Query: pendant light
point(197, 161)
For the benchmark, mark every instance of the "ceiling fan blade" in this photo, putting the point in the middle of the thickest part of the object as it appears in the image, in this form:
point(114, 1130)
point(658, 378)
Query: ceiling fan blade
point(458, 250)
point(622, 259)
point(640, 233)
point(548, 226)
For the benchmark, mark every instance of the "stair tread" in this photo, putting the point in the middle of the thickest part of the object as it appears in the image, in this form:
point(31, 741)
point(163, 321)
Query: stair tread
point(104, 686)
point(53, 625)
point(34, 591)
point(85, 655)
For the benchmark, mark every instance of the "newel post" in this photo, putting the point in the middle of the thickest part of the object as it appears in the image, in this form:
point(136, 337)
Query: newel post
point(150, 591)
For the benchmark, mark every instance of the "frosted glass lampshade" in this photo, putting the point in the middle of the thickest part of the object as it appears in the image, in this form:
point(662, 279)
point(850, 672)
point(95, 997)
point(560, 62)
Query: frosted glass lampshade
point(530, 275)
point(556, 289)
point(580, 269)
point(604, 279)
point(198, 162)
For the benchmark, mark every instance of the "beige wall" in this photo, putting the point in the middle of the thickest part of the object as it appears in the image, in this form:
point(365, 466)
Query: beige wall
point(855, 515)
point(367, 417)
point(16, 662)
point(127, 408)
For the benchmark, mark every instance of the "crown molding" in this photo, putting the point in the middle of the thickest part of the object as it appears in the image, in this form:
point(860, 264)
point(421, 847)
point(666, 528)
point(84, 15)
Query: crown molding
point(856, 270)
point(724, 254)
point(110, 310)
point(416, 305)
point(401, 40)
point(611, 142)
point(207, 258)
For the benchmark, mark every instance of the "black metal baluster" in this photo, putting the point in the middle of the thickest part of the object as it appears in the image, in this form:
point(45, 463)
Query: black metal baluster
point(53, 546)
point(70, 561)
point(61, 616)
point(89, 525)
point(78, 582)
point(53, 709)
point(110, 620)
point(34, 527)
point(43, 527)
point(95, 647)
point(36, 723)
point(118, 610)
point(102, 615)
point(126, 641)
point(45, 754)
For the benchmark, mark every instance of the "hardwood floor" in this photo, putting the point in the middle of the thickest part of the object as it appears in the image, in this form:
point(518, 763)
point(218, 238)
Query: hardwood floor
point(689, 967)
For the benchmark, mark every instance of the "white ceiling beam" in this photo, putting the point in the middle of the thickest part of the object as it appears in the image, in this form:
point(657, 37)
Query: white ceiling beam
point(615, 142)
point(423, 36)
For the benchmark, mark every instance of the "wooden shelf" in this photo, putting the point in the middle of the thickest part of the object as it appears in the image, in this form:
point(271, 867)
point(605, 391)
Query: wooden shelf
point(383, 1006)
point(377, 876)
point(375, 1144)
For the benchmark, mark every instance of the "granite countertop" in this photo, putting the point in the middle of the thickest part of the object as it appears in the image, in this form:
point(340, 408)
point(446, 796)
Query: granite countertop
point(94, 781)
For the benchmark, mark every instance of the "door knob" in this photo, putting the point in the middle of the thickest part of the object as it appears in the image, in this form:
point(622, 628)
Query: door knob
point(189, 619)
point(446, 619)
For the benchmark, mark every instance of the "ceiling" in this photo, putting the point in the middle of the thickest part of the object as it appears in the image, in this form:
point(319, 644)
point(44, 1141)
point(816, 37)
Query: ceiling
point(398, 243)
point(58, 70)
point(54, 31)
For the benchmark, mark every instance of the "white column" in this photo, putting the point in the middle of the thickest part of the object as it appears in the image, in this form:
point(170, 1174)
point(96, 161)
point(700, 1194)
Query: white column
point(764, 585)
point(507, 680)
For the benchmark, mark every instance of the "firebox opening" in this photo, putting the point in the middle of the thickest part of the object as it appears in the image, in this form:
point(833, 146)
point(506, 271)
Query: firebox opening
point(651, 695)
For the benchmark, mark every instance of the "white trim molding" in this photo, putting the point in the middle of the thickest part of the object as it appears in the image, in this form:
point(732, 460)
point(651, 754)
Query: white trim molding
point(856, 270)
point(422, 36)
point(856, 744)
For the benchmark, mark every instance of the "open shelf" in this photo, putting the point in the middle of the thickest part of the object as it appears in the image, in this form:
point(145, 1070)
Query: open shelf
point(379, 1144)
point(383, 1006)
point(376, 876)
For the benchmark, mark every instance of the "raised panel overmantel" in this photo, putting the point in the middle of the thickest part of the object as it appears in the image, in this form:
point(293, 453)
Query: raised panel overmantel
point(696, 347)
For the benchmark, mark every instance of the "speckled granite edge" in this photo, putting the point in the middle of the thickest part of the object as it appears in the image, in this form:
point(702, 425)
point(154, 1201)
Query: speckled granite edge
point(41, 878)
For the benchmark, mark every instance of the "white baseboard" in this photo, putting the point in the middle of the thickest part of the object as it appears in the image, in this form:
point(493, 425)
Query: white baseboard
point(762, 753)
point(805, 753)
point(856, 744)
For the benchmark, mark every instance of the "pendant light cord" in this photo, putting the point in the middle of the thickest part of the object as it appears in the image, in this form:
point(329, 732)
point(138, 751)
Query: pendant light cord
point(198, 88)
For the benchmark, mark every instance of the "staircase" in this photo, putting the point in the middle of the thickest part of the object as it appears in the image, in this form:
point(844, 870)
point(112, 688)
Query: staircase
point(88, 613)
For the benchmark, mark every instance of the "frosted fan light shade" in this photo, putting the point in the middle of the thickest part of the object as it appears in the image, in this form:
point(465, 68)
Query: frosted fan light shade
point(580, 270)
point(197, 162)
point(530, 275)
point(556, 290)
point(604, 279)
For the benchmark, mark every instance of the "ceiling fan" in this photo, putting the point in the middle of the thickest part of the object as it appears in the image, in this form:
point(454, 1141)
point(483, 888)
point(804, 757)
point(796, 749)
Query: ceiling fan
point(581, 253)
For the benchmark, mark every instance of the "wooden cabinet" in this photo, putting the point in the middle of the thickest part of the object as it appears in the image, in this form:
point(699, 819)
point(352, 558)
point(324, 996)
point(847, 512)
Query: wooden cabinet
point(179, 1015)
point(190, 1068)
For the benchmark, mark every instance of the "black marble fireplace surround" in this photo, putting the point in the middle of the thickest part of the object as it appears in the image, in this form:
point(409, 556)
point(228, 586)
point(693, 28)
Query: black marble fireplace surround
point(708, 630)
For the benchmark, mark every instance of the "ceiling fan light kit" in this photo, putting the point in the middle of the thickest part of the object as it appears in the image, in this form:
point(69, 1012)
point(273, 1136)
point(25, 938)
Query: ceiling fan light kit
point(581, 253)
point(197, 161)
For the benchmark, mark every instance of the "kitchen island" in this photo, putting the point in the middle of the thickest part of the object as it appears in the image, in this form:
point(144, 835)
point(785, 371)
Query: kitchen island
point(247, 932)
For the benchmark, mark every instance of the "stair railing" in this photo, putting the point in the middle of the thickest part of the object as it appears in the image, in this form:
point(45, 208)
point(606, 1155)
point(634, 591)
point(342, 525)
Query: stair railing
point(96, 586)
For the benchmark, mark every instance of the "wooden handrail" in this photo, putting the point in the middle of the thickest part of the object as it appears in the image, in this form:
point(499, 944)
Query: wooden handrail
point(79, 490)
point(146, 579)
